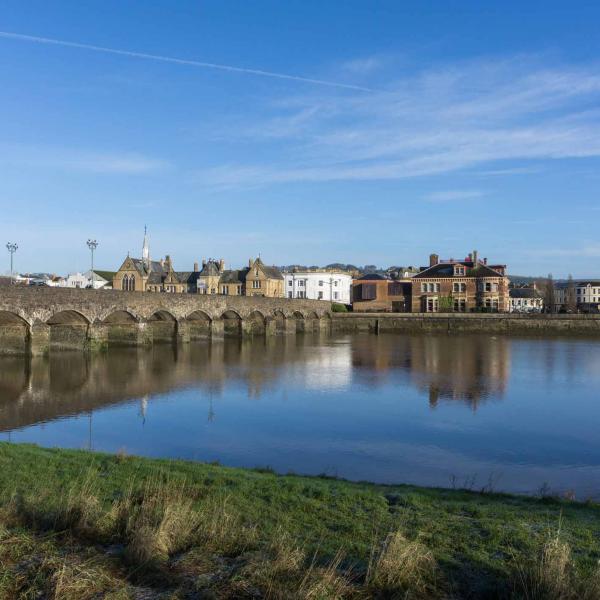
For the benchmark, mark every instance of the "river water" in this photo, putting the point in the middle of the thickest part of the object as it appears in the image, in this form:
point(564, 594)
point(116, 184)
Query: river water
point(510, 414)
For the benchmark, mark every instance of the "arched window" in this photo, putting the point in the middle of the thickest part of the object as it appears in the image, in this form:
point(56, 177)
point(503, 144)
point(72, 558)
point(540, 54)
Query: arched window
point(129, 283)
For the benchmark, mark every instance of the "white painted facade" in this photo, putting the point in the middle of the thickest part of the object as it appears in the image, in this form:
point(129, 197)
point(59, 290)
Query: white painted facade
point(83, 281)
point(314, 285)
point(587, 294)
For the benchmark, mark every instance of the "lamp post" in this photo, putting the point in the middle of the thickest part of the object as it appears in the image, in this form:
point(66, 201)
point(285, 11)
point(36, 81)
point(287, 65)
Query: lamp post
point(12, 248)
point(92, 245)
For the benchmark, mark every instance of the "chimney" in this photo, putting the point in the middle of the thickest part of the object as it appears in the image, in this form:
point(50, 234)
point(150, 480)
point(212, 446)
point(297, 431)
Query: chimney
point(196, 269)
point(203, 262)
point(485, 261)
point(221, 265)
point(434, 259)
point(474, 258)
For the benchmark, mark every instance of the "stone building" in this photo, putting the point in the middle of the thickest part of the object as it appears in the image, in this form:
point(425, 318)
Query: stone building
point(467, 285)
point(256, 279)
point(378, 293)
point(146, 275)
point(585, 296)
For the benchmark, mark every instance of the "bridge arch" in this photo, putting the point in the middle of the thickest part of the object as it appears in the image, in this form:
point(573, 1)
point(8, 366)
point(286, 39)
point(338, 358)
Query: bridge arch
point(300, 321)
point(13, 333)
point(120, 316)
point(121, 327)
point(256, 323)
point(68, 330)
point(162, 325)
point(279, 318)
point(199, 325)
point(232, 323)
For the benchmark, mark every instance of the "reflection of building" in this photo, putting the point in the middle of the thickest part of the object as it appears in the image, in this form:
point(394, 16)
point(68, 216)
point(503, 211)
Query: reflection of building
point(333, 286)
point(460, 286)
point(468, 369)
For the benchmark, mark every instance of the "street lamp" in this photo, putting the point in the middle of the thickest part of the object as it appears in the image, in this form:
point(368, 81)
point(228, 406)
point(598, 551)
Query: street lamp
point(92, 245)
point(12, 248)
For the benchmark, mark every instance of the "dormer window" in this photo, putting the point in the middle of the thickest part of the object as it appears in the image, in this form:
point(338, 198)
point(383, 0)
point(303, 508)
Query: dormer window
point(459, 270)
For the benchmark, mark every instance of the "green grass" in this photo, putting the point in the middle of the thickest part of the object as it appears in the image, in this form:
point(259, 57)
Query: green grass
point(117, 524)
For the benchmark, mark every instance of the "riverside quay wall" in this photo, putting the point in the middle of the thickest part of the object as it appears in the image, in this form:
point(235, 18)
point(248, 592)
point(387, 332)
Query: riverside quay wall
point(503, 323)
point(36, 320)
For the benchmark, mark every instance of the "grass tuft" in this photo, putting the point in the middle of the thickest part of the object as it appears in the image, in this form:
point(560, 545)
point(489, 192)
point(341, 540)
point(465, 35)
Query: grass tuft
point(402, 568)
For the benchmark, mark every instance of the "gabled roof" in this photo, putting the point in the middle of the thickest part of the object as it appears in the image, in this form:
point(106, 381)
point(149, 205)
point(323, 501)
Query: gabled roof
point(210, 269)
point(270, 272)
point(446, 269)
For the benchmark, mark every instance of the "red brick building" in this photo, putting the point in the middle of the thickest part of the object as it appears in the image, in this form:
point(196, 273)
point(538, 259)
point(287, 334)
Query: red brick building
point(467, 285)
point(377, 293)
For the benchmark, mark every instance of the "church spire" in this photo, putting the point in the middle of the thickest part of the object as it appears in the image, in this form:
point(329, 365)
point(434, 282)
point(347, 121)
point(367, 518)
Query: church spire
point(146, 250)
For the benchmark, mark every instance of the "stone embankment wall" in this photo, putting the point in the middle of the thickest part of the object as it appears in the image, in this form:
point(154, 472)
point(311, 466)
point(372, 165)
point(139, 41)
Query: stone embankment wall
point(517, 324)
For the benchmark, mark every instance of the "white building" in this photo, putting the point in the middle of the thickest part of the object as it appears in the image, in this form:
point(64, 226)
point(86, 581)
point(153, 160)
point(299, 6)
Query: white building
point(84, 280)
point(318, 285)
point(587, 295)
point(526, 299)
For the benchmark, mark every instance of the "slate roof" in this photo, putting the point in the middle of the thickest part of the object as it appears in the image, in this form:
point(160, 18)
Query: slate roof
point(446, 269)
point(234, 276)
point(270, 272)
point(210, 269)
point(373, 277)
point(525, 293)
point(108, 275)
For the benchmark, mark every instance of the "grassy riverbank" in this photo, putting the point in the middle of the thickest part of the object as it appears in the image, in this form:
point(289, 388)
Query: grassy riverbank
point(79, 525)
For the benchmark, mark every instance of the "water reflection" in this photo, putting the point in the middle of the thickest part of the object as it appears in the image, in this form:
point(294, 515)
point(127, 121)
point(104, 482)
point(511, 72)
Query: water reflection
point(390, 408)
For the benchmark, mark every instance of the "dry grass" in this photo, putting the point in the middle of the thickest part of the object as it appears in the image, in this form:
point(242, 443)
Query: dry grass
point(155, 522)
point(402, 568)
point(552, 575)
point(77, 510)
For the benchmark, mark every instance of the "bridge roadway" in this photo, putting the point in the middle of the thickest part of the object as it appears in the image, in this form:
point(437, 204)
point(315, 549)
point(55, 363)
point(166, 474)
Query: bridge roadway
point(36, 320)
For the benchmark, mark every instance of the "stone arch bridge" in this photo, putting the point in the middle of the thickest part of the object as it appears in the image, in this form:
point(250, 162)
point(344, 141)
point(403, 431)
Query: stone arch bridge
point(36, 320)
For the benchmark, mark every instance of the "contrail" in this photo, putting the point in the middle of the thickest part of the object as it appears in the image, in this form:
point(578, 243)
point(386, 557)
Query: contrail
point(180, 61)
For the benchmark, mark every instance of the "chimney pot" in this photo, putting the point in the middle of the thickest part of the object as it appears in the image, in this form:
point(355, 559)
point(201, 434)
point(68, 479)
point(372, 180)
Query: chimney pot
point(474, 258)
point(196, 269)
point(221, 265)
point(434, 259)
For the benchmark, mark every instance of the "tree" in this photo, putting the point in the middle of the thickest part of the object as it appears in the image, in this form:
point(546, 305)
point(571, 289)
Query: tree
point(549, 301)
point(570, 300)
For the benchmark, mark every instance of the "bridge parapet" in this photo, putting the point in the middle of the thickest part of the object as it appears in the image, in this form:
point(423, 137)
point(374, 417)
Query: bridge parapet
point(34, 320)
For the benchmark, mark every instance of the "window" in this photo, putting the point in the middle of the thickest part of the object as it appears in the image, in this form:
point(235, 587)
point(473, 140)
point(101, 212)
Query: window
point(369, 291)
point(320, 296)
point(395, 289)
point(320, 283)
point(431, 305)
point(290, 294)
point(335, 295)
point(459, 271)
point(225, 290)
point(239, 290)
point(256, 284)
point(423, 287)
point(460, 305)
point(459, 287)
point(335, 283)
point(301, 294)
point(290, 283)
point(301, 283)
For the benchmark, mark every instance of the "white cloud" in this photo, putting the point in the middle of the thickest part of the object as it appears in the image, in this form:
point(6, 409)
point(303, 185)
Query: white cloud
point(363, 65)
point(463, 116)
point(69, 159)
point(453, 195)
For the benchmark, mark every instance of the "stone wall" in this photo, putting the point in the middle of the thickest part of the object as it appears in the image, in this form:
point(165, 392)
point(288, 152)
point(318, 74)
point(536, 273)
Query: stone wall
point(517, 324)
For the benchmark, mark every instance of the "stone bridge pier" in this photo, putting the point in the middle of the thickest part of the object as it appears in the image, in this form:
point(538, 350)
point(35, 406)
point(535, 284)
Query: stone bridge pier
point(37, 320)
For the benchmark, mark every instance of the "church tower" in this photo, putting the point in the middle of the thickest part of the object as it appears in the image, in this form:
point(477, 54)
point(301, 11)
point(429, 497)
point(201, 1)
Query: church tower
point(146, 250)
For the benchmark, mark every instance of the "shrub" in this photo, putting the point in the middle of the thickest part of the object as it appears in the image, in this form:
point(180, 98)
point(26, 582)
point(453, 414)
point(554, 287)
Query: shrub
point(336, 307)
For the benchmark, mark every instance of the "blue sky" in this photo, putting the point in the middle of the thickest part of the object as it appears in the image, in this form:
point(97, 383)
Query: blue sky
point(397, 129)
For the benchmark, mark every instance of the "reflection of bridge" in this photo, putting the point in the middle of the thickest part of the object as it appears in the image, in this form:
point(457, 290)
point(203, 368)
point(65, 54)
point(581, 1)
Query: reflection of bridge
point(34, 320)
